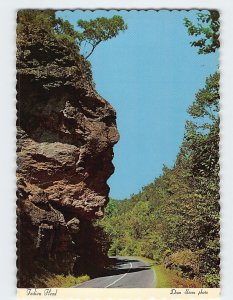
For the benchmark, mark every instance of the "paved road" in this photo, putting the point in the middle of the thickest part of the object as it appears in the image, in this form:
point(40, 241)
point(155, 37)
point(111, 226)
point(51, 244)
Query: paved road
point(126, 273)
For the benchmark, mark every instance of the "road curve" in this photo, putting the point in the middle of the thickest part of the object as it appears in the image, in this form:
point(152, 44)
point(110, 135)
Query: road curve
point(126, 273)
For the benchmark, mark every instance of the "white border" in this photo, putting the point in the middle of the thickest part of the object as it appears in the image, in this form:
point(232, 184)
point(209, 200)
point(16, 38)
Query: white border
point(7, 122)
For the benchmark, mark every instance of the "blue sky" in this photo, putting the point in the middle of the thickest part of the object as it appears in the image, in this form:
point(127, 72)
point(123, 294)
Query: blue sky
point(150, 75)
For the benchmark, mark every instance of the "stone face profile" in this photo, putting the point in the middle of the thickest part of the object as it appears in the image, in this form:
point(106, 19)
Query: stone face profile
point(65, 137)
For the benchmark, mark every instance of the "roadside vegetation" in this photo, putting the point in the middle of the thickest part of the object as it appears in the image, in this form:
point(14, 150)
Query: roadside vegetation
point(68, 281)
point(174, 221)
point(166, 278)
point(59, 280)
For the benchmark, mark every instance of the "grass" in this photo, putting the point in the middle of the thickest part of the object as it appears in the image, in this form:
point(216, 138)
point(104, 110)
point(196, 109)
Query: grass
point(60, 281)
point(166, 278)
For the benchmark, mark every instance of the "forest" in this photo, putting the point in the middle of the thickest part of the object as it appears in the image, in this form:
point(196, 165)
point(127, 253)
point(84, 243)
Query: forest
point(175, 219)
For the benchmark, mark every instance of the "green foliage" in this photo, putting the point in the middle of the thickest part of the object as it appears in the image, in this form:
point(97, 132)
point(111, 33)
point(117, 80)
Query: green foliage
point(44, 24)
point(206, 103)
point(206, 31)
point(61, 281)
point(46, 20)
point(212, 280)
point(32, 18)
point(65, 30)
point(93, 32)
point(176, 217)
point(99, 30)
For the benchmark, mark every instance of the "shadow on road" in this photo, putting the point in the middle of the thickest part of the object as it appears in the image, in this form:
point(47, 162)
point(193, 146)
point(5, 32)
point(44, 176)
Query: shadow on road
point(121, 266)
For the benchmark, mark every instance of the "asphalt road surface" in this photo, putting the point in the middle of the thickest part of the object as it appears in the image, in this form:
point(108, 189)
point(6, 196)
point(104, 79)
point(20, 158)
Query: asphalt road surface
point(126, 272)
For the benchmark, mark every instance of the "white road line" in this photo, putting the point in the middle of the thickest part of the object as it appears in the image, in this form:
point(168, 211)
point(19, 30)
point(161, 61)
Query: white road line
point(120, 277)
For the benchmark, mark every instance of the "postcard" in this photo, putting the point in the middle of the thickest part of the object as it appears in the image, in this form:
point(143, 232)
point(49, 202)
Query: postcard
point(118, 154)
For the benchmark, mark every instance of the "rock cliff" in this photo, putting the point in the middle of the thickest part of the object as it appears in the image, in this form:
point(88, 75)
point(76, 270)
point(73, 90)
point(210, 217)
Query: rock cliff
point(65, 137)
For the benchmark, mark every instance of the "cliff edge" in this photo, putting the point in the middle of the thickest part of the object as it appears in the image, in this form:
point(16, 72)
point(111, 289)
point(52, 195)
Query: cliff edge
point(65, 137)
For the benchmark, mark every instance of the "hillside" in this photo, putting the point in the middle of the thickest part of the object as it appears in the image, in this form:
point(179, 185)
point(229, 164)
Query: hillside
point(175, 219)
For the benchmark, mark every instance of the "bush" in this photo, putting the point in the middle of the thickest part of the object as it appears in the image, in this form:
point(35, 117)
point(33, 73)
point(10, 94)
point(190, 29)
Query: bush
point(61, 281)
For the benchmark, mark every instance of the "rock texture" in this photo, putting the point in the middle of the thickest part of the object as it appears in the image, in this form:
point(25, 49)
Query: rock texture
point(65, 138)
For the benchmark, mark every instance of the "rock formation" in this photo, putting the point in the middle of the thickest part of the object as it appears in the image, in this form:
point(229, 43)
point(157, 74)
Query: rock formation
point(65, 138)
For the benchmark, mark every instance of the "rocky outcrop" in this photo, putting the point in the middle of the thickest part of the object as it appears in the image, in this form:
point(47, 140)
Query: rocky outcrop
point(65, 138)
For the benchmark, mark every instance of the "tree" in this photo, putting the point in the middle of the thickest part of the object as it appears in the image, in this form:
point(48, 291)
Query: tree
point(201, 144)
point(94, 31)
point(99, 30)
point(178, 214)
point(65, 30)
point(207, 30)
point(205, 108)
